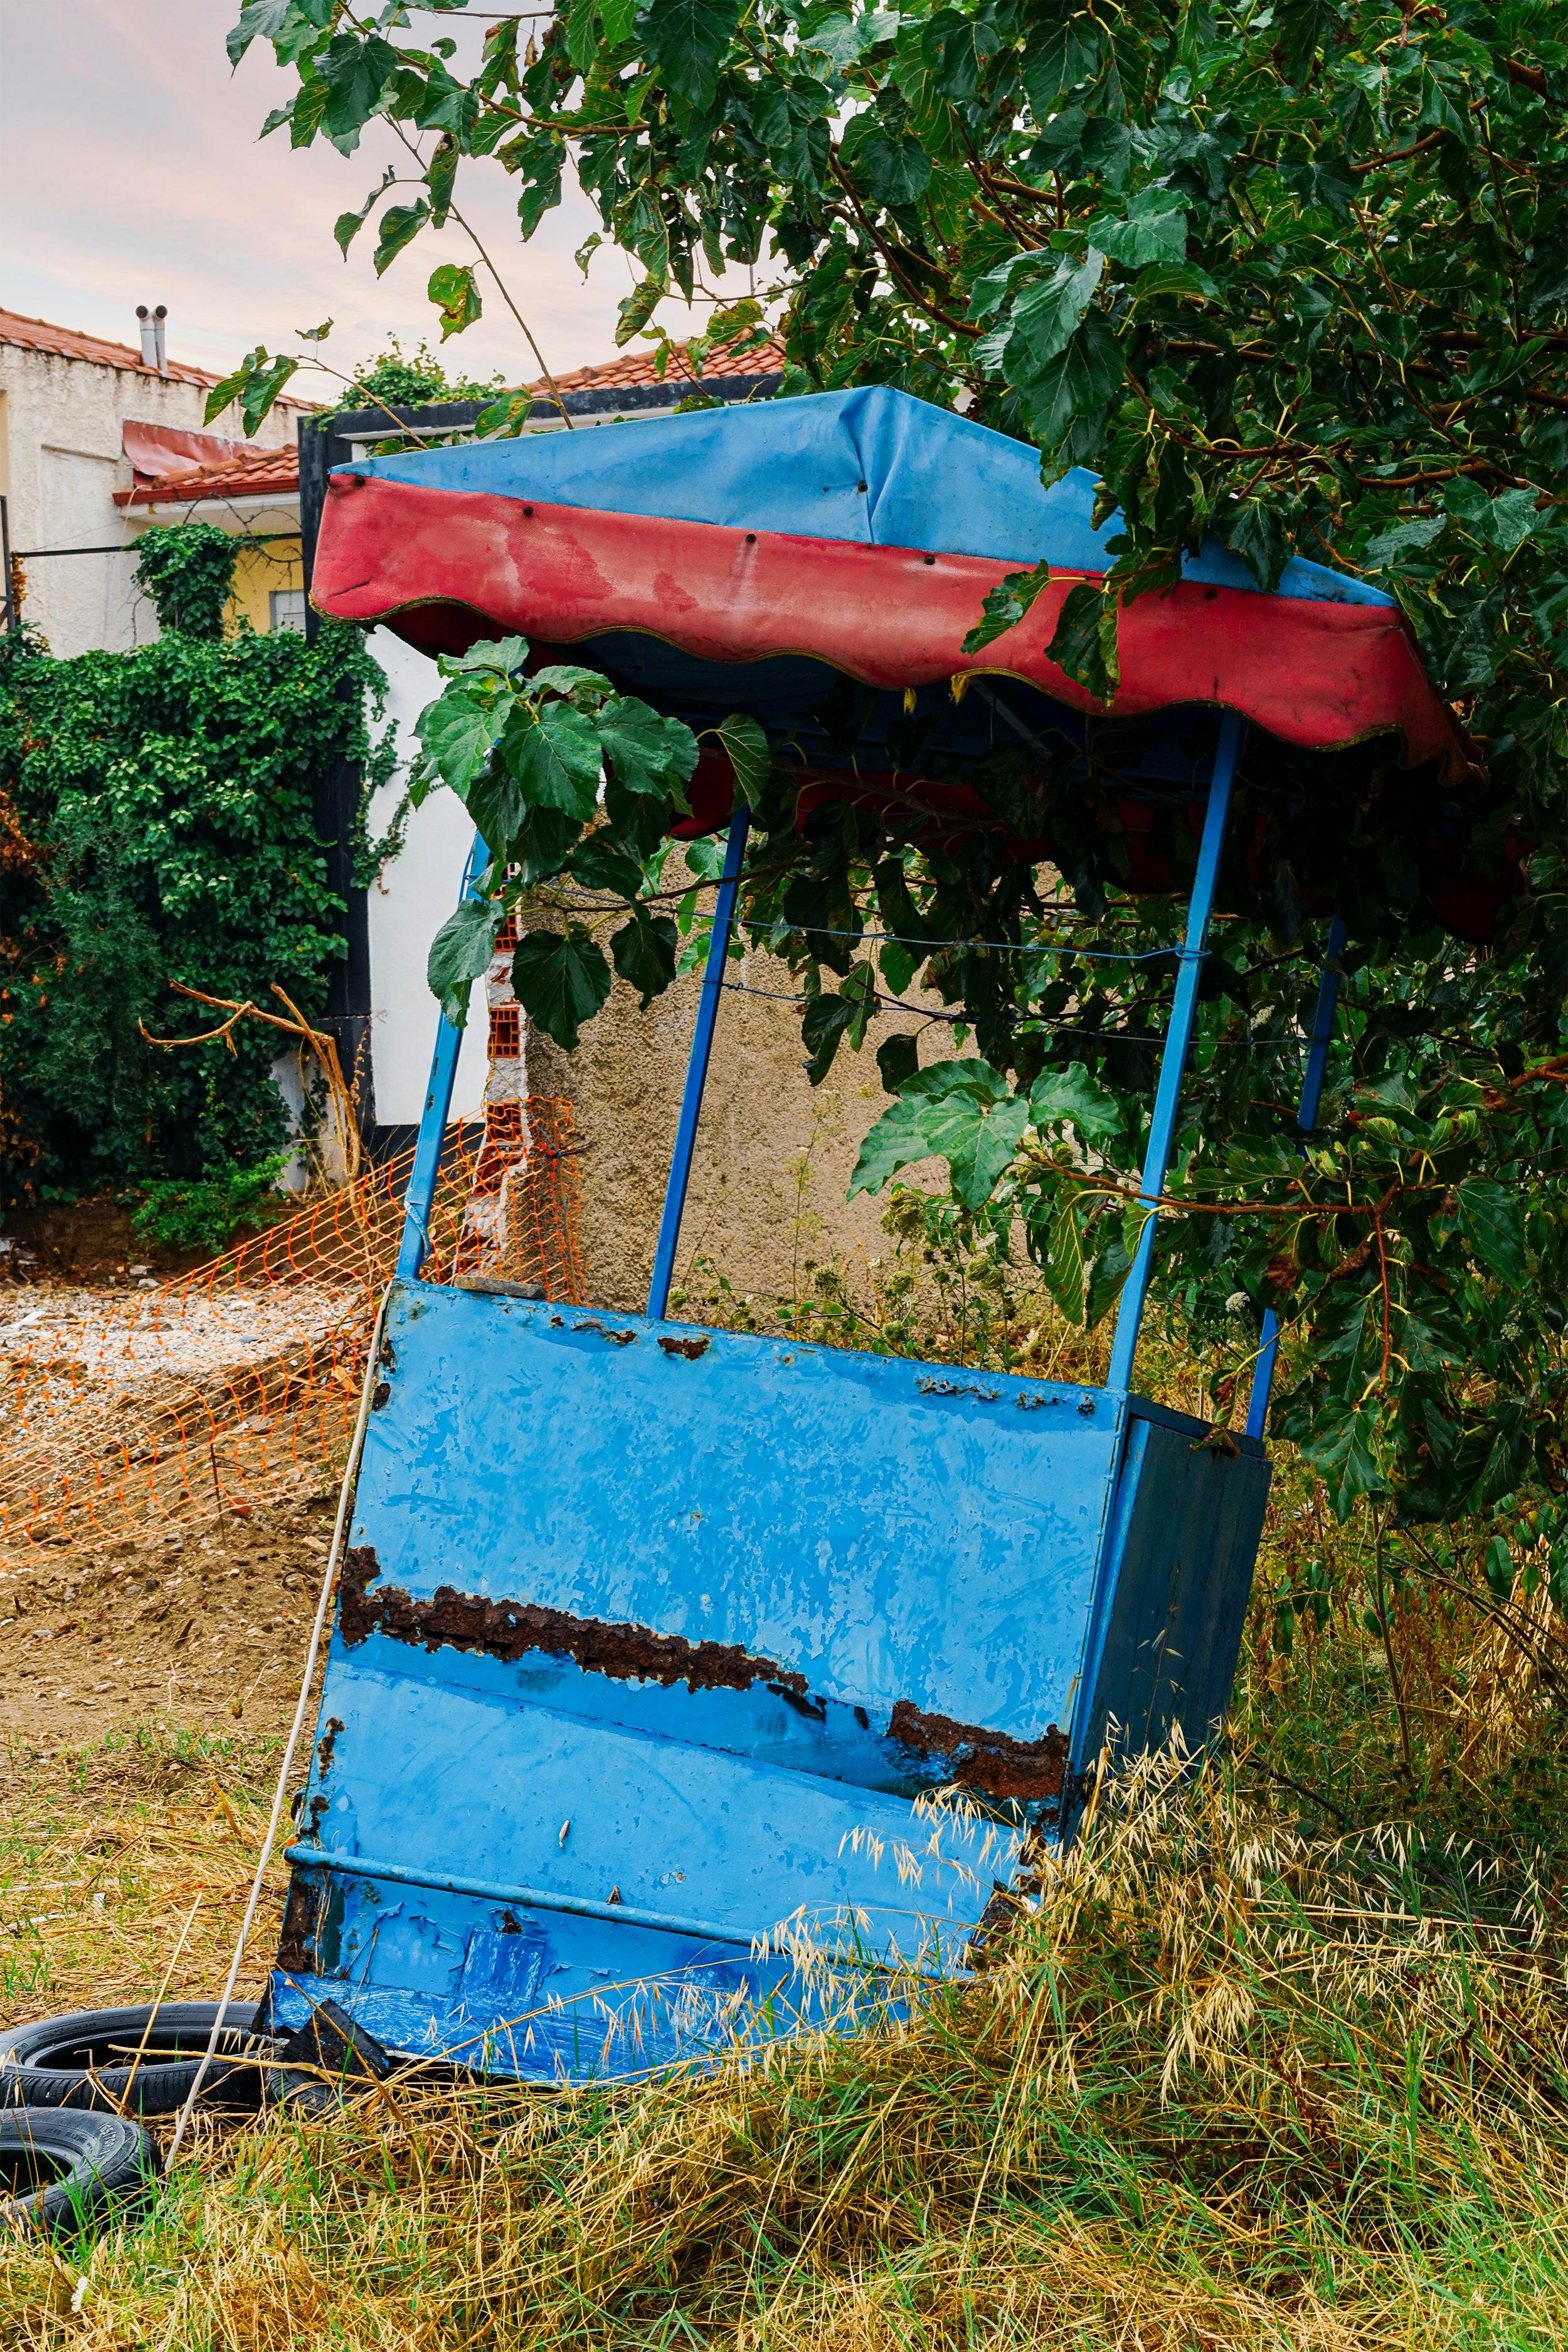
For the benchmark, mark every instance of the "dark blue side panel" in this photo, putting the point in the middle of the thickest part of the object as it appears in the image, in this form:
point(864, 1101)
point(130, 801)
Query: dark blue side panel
point(1178, 1601)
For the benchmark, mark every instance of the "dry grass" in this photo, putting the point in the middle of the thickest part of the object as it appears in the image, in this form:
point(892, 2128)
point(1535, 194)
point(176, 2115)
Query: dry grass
point(1257, 2073)
point(1227, 2087)
point(105, 1851)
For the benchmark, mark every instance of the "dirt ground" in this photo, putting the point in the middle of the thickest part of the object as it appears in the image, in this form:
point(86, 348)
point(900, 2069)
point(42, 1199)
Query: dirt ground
point(203, 1629)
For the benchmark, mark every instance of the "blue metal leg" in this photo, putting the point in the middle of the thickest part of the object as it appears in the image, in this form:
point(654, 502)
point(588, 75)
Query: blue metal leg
point(1173, 1061)
point(1306, 1120)
point(421, 1194)
point(697, 1066)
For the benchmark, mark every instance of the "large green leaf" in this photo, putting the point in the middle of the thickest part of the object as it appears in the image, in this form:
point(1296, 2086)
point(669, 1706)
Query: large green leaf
point(751, 755)
point(354, 71)
point(686, 40)
point(958, 1111)
point(601, 864)
point(897, 172)
point(553, 751)
point(454, 289)
point(460, 953)
point(399, 225)
point(1072, 1096)
point(1491, 1219)
point(1077, 383)
point(1005, 605)
point(644, 951)
point(648, 752)
point(1154, 229)
point(1064, 1265)
point(456, 733)
point(1048, 316)
point(560, 980)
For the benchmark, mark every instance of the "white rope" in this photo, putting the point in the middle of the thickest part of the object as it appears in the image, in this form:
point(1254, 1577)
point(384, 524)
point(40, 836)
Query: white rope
point(324, 1604)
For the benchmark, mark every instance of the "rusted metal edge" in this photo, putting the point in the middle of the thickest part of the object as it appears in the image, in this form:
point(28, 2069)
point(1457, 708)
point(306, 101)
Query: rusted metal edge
point(510, 1629)
point(992, 1763)
point(989, 1761)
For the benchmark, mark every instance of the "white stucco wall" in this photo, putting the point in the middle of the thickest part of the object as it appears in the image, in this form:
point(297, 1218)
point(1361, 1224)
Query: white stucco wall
point(415, 894)
point(60, 464)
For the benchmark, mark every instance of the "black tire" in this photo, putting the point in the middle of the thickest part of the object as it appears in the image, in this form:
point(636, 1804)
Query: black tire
point(87, 2060)
point(63, 2173)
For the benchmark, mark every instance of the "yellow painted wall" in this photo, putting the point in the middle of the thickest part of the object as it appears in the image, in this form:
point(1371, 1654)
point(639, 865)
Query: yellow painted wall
point(262, 567)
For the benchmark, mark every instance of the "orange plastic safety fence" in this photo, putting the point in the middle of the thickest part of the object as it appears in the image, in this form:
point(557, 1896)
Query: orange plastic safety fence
point(236, 1385)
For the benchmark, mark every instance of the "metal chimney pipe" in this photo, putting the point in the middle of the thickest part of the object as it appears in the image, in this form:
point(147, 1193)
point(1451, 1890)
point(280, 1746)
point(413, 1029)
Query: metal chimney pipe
point(159, 316)
point(148, 336)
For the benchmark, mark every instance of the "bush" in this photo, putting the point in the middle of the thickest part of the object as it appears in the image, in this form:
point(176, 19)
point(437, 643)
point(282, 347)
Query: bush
point(208, 1213)
point(187, 570)
point(156, 824)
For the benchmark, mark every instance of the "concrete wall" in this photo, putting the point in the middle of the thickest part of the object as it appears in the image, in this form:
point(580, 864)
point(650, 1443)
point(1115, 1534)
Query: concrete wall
point(773, 1154)
point(60, 464)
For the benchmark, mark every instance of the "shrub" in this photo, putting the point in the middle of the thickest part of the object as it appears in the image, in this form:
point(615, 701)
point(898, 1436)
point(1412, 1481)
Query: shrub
point(156, 824)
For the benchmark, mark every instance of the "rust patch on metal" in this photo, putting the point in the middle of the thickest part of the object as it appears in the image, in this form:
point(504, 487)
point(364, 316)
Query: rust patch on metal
point(690, 1349)
point(510, 1629)
point(616, 1338)
point(986, 1760)
point(327, 1744)
point(381, 1395)
point(301, 1924)
point(957, 1388)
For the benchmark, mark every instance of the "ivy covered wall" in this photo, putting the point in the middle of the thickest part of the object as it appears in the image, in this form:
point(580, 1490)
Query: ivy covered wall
point(155, 824)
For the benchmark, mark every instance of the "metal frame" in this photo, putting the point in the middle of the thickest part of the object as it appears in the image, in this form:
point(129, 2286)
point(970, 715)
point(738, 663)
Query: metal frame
point(420, 1197)
point(1174, 1059)
point(1162, 1128)
point(1306, 1120)
point(697, 1064)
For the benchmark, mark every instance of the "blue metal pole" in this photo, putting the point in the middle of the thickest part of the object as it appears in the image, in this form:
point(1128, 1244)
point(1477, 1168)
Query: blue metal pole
point(697, 1065)
point(421, 1194)
point(1173, 1061)
point(1306, 1120)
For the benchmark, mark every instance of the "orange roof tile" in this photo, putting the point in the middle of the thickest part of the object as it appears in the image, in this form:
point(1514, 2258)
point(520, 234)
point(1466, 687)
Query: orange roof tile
point(67, 344)
point(254, 473)
point(634, 368)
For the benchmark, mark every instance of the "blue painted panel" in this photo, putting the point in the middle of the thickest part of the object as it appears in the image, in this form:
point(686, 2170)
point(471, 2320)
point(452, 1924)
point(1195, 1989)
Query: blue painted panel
point(540, 1997)
point(769, 1723)
point(1177, 1582)
point(450, 1782)
point(889, 1531)
point(653, 1645)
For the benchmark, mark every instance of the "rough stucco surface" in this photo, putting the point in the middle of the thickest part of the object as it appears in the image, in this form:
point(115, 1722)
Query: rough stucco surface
point(60, 464)
point(773, 1154)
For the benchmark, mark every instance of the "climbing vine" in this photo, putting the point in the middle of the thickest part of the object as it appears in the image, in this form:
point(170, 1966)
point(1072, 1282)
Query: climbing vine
point(156, 808)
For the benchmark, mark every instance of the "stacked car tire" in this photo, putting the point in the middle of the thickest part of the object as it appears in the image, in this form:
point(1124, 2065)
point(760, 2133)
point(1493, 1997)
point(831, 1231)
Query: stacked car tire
point(74, 2094)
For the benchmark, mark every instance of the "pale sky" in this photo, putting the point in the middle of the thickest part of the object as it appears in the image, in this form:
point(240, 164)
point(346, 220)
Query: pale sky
point(134, 174)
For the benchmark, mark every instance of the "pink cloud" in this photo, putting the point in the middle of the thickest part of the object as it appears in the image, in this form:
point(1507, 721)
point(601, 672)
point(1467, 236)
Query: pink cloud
point(134, 173)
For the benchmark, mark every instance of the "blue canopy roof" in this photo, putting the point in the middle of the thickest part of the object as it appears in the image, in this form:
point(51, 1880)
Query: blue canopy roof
point(874, 465)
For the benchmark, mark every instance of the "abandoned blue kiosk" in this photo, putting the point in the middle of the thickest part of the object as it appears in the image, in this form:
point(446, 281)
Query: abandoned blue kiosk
point(621, 1764)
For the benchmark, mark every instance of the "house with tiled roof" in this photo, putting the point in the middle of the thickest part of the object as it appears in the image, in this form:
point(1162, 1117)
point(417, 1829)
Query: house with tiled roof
point(99, 439)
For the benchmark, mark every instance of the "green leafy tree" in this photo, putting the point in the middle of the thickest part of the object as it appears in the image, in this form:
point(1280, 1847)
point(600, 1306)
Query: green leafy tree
point(402, 379)
point(1291, 278)
point(156, 824)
